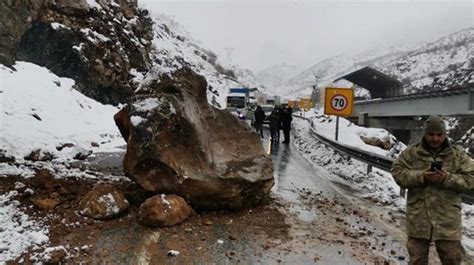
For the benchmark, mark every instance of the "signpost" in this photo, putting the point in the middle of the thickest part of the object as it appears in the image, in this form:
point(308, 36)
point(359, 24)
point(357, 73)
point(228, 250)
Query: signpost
point(338, 102)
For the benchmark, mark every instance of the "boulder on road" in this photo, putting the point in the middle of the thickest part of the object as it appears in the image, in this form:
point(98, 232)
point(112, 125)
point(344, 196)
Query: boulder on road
point(179, 144)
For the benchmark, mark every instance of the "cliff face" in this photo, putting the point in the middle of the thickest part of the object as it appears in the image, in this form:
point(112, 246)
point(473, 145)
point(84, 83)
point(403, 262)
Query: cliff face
point(96, 43)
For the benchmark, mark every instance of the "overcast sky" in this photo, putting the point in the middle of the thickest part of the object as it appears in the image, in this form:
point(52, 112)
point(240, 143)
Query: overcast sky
point(258, 34)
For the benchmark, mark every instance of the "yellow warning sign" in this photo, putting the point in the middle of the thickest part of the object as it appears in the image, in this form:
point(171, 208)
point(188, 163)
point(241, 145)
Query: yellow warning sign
point(305, 103)
point(338, 101)
point(292, 103)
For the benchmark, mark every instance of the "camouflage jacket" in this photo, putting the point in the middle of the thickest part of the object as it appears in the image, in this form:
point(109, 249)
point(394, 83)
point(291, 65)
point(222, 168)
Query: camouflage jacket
point(434, 210)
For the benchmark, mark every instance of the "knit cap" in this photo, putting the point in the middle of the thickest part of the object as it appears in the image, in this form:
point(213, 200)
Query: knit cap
point(435, 124)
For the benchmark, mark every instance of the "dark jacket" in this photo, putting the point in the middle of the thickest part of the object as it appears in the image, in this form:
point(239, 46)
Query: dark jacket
point(259, 115)
point(286, 119)
point(274, 121)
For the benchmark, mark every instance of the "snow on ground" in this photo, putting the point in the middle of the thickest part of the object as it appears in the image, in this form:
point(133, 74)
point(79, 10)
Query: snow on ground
point(39, 110)
point(42, 110)
point(17, 231)
point(377, 186)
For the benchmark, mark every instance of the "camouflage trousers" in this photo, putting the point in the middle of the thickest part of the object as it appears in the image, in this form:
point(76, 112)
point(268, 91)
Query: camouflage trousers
point(449, 252)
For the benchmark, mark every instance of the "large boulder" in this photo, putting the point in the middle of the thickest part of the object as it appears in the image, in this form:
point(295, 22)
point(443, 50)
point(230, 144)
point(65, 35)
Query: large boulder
point(178, 144)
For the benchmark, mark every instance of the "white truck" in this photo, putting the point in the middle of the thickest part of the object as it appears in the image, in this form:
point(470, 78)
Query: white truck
point(237, 104)
point(273, 100)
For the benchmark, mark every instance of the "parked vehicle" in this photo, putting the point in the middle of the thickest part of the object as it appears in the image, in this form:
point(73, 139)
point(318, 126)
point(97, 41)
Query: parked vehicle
point(268, 110)
point(237, 104)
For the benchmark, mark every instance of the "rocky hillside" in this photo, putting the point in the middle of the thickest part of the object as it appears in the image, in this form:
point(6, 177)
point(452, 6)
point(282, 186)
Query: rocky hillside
point(108, 47)
point(444, 64)
point(97, 44)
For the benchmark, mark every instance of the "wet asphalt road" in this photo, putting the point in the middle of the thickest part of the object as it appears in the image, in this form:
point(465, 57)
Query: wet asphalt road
point(292, 173)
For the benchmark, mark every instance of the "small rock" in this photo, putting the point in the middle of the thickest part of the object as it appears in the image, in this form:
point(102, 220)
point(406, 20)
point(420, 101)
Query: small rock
point(19, 185)
point(173, 253)
point(57, 256)
point(39, 155)
point(232, 237)
point(4, 158)
point(207, 222)
point(46, 204)
point(62, 146)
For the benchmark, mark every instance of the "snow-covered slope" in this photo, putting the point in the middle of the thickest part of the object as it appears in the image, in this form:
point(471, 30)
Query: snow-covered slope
point(41, 110)
point(441, 64)
point(277, 74)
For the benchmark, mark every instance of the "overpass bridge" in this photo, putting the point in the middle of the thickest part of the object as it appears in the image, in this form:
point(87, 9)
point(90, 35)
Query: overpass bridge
point(403, 115)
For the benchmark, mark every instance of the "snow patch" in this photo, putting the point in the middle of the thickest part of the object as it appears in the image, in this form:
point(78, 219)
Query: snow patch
point(136, 120)
point(110, 203)
point(18, 231)
point(66, 115)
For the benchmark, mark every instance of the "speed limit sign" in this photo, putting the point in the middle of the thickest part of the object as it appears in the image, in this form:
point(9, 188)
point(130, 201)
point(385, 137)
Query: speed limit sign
point(338, 101)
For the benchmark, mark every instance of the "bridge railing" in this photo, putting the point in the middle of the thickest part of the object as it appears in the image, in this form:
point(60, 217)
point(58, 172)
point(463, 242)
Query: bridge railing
point(430, 94)
point(372, 160)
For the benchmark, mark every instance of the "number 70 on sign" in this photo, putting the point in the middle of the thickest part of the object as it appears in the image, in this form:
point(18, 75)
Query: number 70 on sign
point(338, 101)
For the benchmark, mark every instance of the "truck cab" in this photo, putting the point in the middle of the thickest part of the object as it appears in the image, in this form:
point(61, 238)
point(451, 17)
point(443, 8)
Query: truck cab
point(237, 104)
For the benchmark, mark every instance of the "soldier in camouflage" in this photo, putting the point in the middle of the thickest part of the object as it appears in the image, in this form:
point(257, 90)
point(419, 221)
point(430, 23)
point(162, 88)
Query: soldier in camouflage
point(434, 202)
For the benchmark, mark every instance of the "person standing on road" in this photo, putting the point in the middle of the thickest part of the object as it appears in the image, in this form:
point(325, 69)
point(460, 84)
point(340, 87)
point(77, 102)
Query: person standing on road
point(259, 118)
point(435, 172)
point(286, 119)
point(274, 125)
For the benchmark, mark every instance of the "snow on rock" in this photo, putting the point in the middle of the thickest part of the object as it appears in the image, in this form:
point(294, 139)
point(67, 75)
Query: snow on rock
point(103, 202)
point(147, 104)
point(94, 4)
point(111, 206)
point(18, 231)
point(40, 110)
point(136, 120)
point(173, 253)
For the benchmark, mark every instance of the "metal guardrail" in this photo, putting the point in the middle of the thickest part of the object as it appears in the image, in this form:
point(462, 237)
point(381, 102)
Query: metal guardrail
point(372, 160)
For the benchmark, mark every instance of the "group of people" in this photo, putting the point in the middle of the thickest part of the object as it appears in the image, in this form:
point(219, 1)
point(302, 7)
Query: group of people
point(279, 119)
